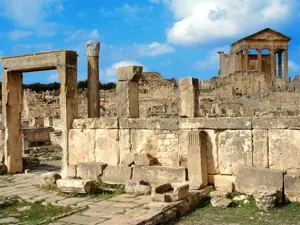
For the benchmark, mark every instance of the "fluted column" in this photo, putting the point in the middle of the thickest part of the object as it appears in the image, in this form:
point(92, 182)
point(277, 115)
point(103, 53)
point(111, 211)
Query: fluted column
point(93, 50)
point(259, 60)
point(280, 64)
point(246, 59)
point(286, 66)
point(273, 62)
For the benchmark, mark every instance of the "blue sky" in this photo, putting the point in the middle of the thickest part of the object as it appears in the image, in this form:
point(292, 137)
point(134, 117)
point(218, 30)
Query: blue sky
point(178, 38)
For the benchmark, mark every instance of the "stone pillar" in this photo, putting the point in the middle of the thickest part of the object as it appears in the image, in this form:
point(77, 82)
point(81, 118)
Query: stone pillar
point(273, 64)
point(93, 49)
point(197, 164)
point(128, 91)
point(189, 97)
point(12, 99)
point(259, 60)
point(241, 60)
point(280, 64)
point(68, 103)
point(286, 66)
point(246, 59)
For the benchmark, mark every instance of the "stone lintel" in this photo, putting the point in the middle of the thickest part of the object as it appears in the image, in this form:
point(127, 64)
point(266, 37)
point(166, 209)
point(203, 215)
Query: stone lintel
point(149, 123)
point(96, 123)
point(290, 122)
point(222, 123)
point(130, 73)
point(40, 61)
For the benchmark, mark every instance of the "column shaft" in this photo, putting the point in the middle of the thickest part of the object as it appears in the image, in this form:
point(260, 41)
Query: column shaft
point(246, 59)
point(280, 64)
point(286, 66)
point(259, 60)
point(273, 64)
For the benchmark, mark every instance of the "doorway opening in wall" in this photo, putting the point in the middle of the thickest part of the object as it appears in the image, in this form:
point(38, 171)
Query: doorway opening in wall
point(41, 130)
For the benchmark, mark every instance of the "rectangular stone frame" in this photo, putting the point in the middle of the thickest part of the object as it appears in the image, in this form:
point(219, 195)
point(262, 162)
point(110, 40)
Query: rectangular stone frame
point(12, 97)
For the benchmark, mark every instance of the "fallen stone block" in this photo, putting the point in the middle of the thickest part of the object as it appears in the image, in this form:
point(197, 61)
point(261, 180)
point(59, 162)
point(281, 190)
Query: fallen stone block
point(169, 192)
point(128, 159)
point(90, 170)
point(49, 179)
point(117, 174)
point(248, 178)
point(142, 160)
point(292, 187)
point(77, 186)
point(30, 162)
point(219, 194)
point(159, 174)
point(265, 197)
point(220, 202)
point(137, 187)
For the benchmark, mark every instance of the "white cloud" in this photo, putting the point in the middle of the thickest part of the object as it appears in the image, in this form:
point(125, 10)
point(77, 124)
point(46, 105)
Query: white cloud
point(110, 73)
point(207, 20)
point(153, 49)
point(212, 60)
point(19, 34)
point(294, 66)
point(53, 77)
point(82, 34)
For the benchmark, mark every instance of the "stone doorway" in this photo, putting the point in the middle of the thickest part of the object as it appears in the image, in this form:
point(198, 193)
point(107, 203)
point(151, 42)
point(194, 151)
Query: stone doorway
point(65, 62)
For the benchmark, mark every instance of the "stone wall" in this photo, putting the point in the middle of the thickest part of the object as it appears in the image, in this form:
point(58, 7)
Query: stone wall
point(228, 142)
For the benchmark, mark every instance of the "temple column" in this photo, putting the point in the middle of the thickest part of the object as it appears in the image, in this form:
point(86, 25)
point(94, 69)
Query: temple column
point(93, 49)
point(280, 64)
point(273, 64)
point(246, 59)
point(259, 60)
point(286, 68)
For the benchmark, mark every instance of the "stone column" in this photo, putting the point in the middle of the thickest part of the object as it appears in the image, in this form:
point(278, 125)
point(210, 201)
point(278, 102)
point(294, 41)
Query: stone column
point(128, 91)
point(68, 103)
point(197, 164)
point(259, 60)
point(93, 49)
point(246, 59)
point(189, 97)
point(12, 100)
point(273, 64)
point(280, 64)
point(286, 66)
point(241, 60)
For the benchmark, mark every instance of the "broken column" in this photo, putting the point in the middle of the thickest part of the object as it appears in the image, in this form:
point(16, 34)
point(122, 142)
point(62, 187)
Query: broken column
point(128, 91)
point(197, 164)
point(189, 97)
point(93, 49)
point(12, 98)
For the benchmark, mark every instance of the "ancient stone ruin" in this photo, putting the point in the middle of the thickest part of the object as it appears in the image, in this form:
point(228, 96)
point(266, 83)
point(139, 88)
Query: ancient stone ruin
point(238, 131)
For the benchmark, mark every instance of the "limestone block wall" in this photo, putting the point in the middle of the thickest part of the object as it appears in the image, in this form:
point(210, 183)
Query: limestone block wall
point(228, 142)
point(37, 134)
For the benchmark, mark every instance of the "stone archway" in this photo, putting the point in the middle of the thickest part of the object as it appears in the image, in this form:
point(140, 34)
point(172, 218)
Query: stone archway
point(65, 62)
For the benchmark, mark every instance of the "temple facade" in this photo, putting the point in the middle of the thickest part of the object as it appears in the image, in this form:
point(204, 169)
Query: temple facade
point(263, 55)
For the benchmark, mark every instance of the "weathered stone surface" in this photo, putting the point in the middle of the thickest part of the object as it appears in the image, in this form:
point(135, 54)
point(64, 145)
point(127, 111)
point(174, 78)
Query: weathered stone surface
point(265, 197)
point(9, 220)
point(219, 194)
point(276, 122)
point(142, 160)
point(159, 174)
point(77, 186)
point(284, 149)
point(49, 179)
point(144, 141)
point(127, 99)
point(96, 123)
point(90, 170)
point(292, 187)
point(169, 192)
point(117, 174)
point(130, 73)
point(260, 148)
point(72, 171)
point(137, 187)
point(223, 182)
point(209, 144)
point(149, 123)
point(189, 97)
point(107, 149)
point(235, 149)
point(125, 143)
point(248, 178)
point(241, 123)
point(30, 162)
point(220, 202)
point(3, 169)
point(128, 159)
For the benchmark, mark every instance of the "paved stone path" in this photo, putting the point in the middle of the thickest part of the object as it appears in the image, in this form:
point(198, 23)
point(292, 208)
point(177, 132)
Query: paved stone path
point(122, 209)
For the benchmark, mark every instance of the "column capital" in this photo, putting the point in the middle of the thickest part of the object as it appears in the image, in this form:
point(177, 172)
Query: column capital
point(93, 48)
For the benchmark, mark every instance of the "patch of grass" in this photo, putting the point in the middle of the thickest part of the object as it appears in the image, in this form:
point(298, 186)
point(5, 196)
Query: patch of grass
point(35, 213)
point(242, 214)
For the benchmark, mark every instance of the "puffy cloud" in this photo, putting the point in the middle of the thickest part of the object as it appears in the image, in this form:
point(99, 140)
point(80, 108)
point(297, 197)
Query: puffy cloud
point(19, 34)
point(110, 74)
point(212, 60)
point(154, 49)
point(207, 20)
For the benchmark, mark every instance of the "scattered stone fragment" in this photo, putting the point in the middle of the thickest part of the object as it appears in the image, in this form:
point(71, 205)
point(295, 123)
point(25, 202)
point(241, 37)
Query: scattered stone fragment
point(77, 186)
point(137, 187)
point(142, 160)
point(49, 179)
point(128, 159)
point(219, 194)
point(220, 202)
point(170, 192)
point(265, 197)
